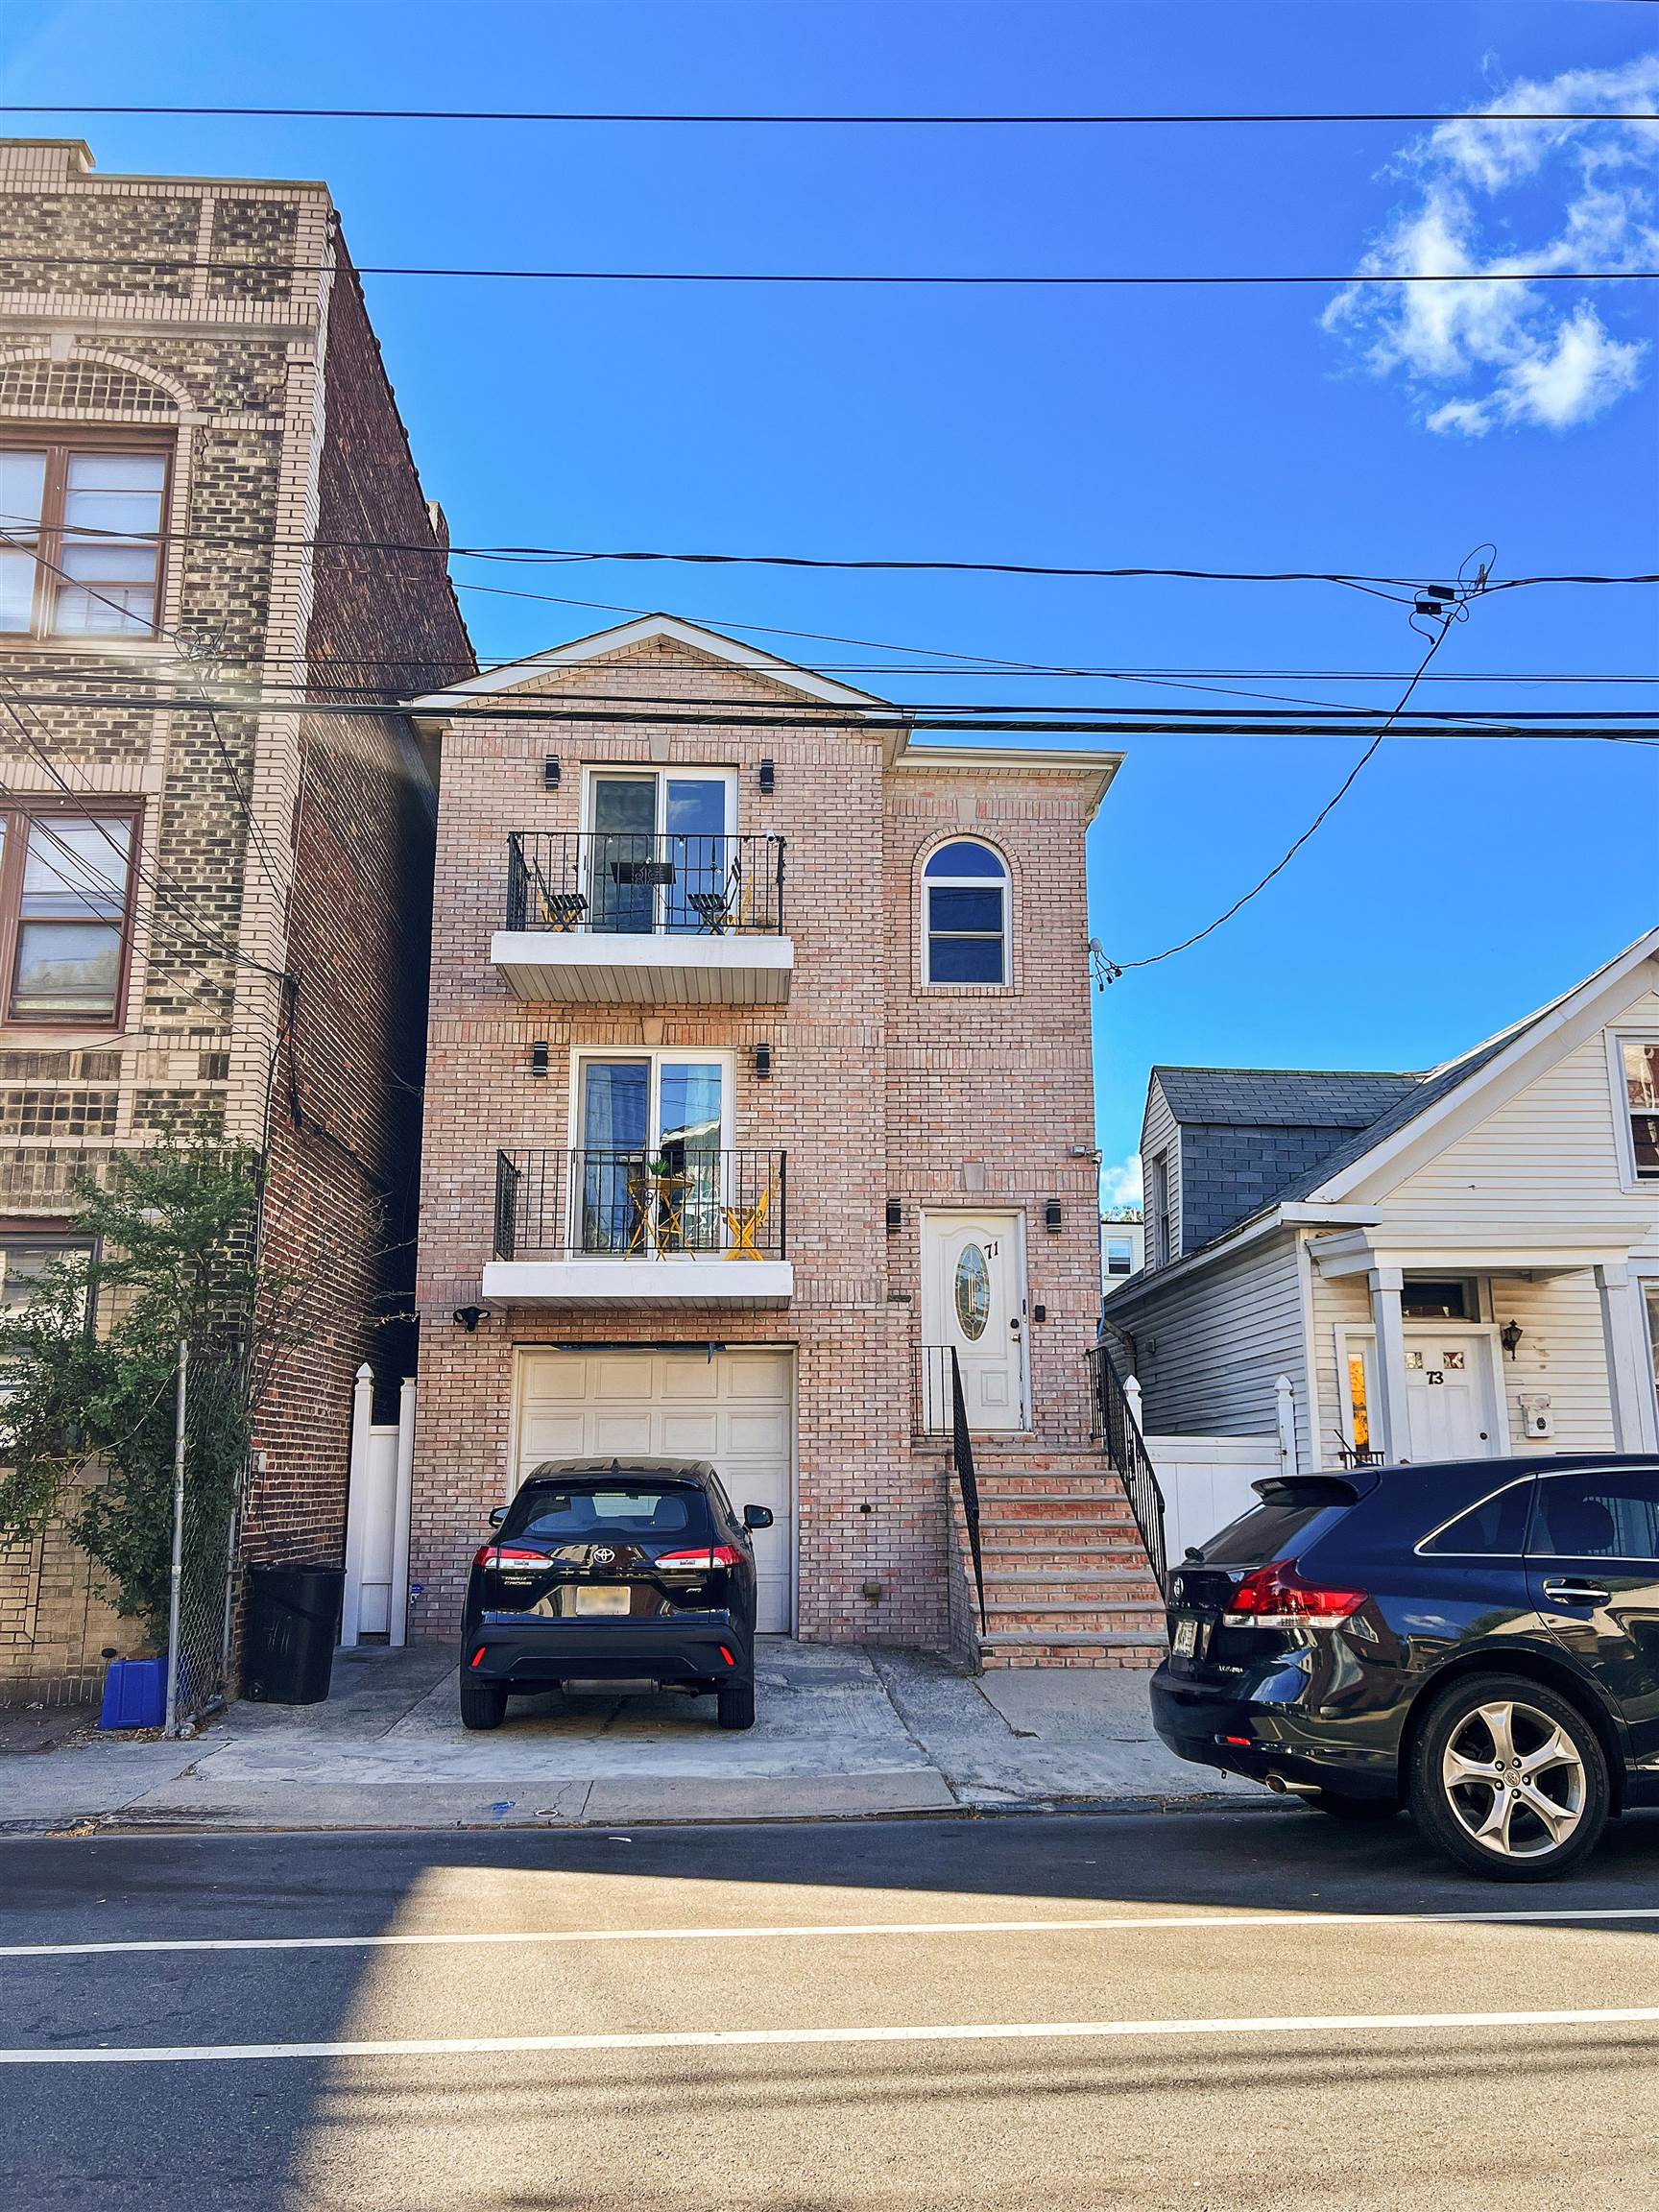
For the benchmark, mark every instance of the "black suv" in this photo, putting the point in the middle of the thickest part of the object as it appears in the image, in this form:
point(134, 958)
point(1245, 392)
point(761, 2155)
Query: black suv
point(1478, 1641)
point(638, 1574)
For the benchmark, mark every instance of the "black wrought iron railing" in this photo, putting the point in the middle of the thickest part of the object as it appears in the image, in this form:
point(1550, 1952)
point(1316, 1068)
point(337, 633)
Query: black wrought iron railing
point(637, 885)
point(939, 1409)
point(641, 1205)
point(930, 1391)
point(1116, 1429)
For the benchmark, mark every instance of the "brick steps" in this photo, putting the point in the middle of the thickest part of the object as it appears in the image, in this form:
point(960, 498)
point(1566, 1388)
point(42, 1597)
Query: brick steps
point(1066, 1579)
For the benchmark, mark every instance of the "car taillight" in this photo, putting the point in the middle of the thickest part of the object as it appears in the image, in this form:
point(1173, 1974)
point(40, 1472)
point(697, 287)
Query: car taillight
point(1276, 1597)
point(721, 1556)
point(508, 1555)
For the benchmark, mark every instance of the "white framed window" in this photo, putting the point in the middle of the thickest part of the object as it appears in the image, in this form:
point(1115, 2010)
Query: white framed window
point(1633, 1064)
point(661, 847)
point(965, 915)
point(1120, 1256)
point(651, 1155)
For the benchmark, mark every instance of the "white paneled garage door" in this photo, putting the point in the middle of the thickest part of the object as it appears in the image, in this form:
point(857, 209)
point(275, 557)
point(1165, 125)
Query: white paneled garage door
point(734, 1409)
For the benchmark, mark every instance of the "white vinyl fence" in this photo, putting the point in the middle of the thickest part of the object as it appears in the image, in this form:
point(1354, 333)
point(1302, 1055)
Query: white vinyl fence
point(1206, 1480)
point(376, 1601)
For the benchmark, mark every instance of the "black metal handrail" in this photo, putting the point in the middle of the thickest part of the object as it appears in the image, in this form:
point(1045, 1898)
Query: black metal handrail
point(967, 1482)
point(931, 1390)
point(636, 885)
point(678, 1200)
point(1115, 1427)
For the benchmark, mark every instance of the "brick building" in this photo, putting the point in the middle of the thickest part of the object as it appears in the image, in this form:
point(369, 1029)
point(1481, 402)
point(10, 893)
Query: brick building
point(216, 918)
point(758, 1079)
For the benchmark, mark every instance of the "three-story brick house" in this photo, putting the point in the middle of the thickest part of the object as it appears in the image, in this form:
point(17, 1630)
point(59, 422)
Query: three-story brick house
point(208, 918)
point(758, 1081)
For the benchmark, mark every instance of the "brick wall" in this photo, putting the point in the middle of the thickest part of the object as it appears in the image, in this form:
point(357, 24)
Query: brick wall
point(877, 1089)
point(267, 386)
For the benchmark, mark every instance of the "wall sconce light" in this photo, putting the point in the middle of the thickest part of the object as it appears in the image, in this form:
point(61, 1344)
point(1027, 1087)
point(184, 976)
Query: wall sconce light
point(538, 1057)
point(1051, 1214)
point(1510, 1335)
point(894, 1216)
point(550, 771)
point(468, 1317)
point(763, 1061)
point(768, 778)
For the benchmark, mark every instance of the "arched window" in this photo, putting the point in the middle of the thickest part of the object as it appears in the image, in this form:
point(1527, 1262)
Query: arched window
point(965, 889)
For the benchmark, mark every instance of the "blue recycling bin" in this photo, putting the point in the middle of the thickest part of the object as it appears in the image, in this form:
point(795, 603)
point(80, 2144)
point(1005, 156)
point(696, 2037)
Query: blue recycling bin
point(135, 1694)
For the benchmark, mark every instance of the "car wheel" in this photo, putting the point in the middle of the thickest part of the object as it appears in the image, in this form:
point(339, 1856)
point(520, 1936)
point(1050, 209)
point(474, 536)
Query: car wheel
point(736, 1705)
point(1509, 1779)
point(1360, 1809)
point(483, 1704)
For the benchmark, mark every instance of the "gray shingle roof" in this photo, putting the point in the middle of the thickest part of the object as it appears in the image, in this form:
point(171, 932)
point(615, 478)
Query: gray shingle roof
point(1283, 1097)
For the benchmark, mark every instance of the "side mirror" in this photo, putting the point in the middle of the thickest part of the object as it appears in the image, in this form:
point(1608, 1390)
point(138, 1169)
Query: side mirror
point(497, 1514)
point(756, 1516)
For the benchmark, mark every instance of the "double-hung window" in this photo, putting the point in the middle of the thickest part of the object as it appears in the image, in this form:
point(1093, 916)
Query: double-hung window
point(81, 529)
point(65, 911)
point(1640, 1063)
point(965, 887)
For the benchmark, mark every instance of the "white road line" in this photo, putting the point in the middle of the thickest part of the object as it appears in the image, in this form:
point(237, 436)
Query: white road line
point(1215, 1922)
point(721, 2038)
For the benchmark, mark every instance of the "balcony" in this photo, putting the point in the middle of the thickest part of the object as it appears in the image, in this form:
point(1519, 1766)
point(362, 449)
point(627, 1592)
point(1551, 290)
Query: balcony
point(679, 1227)
point(614, 918)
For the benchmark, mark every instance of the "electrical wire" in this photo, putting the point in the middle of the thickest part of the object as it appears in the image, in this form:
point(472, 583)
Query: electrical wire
point(1059, 280)
point(1108, 971)
point(1071, 120)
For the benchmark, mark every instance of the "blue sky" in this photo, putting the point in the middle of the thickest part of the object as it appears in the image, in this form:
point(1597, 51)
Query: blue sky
point(1461, 882)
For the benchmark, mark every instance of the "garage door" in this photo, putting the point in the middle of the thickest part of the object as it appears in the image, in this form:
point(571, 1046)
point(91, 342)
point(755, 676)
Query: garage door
point(735, 1410)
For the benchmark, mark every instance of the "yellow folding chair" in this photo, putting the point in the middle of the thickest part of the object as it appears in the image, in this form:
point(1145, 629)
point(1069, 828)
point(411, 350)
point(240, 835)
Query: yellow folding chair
point(744, 1223)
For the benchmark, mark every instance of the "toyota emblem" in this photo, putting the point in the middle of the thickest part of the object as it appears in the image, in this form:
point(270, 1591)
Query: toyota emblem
point(603, 1556)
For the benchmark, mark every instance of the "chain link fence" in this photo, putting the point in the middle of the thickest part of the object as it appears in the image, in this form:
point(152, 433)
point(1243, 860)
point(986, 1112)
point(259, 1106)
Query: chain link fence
point(206, 1515)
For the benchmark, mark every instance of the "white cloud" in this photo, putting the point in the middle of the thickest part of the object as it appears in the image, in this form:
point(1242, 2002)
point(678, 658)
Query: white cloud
point(1121, 1186)
point(1521, 354)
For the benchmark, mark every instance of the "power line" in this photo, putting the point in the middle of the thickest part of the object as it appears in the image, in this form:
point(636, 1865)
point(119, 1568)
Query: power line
point(1107, 970)
point(431, 550)
point(1074, 120)
point(1075, 280)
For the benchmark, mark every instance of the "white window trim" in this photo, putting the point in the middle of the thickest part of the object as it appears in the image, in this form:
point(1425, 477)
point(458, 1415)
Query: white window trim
point(639, 771)
point(966, 883)
point(657, 1056)
point(1623, 1136)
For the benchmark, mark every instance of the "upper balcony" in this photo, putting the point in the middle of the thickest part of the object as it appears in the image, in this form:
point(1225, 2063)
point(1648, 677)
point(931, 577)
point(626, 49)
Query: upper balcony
point(629, 918)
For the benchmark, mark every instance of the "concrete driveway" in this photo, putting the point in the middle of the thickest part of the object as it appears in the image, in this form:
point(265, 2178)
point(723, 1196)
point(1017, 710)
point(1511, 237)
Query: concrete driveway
point(842, 1730)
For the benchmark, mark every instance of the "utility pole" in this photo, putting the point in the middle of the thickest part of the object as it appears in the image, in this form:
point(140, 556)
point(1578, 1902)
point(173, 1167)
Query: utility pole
point(175, 1578)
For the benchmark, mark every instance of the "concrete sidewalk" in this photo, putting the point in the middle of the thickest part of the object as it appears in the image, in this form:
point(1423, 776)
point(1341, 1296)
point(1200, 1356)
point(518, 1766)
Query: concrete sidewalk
point(842, 1731)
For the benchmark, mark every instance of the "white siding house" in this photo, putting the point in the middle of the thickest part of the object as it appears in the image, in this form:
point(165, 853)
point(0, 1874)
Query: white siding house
point(1472, 1269)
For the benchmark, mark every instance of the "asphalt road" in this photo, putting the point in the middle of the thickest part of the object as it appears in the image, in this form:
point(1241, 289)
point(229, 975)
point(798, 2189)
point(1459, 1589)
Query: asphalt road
point(1243, 2010)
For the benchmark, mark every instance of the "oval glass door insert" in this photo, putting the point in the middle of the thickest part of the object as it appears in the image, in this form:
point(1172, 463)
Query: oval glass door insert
point(972, 1293)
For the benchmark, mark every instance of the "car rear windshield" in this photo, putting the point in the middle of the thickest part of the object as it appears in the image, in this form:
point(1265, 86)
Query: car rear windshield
point(1287, 1520)
point(652, 1512)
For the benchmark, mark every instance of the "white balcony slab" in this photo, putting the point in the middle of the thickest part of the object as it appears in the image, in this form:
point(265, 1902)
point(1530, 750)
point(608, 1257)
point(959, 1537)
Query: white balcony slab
point(680, 1282)
point(598, 968)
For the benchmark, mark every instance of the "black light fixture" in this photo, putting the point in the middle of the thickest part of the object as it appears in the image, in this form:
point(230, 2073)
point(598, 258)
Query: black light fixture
point(763, 1061)
point(894, 1216)
point(1510, 1335)
point(1051, 1214)
point(550, 771)
point(468, 1317)
point(538, 1057)
point(768, 778)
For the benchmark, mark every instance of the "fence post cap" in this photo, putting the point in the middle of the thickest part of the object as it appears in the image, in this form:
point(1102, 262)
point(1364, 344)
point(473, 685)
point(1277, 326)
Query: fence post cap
point(365, 1373)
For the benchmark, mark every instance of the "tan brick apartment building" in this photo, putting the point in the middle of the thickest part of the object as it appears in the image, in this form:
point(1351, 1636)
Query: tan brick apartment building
point(219, 918)
point(758, 1074)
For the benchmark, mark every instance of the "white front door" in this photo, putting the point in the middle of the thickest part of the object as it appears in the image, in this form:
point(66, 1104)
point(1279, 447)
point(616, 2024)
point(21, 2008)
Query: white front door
point(734, 1409)
point(974, 1302)
point(1449, 1395)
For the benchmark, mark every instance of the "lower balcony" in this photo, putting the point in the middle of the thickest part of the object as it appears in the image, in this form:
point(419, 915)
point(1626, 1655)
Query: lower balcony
point(680, 1226)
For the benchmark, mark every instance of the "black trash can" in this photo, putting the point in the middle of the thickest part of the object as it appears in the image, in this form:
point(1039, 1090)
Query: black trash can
point(289, 1635)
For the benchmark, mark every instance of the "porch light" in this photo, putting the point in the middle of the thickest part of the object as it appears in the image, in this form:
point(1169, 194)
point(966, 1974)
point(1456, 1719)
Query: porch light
point(768, 779)
point(894, 1216)
point(1510, 1335)
point(763, 1061)
point(550, 771)
point(1051, 1214)
point(538, 1057)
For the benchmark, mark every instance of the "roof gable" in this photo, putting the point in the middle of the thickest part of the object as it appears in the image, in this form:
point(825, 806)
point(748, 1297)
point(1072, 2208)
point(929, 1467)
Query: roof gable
point(648, 630)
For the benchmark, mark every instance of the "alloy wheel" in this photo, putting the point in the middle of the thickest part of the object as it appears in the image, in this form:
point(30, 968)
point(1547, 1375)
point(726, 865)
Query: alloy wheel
point(1514, 1779)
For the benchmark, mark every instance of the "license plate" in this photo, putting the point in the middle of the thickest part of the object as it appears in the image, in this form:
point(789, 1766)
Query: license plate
point(600, 1598)
point(1186, 1642)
